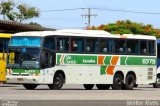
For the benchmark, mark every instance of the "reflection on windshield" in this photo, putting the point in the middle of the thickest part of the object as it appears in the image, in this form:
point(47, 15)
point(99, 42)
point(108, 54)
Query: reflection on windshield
point(25, 57)
point(25, 41)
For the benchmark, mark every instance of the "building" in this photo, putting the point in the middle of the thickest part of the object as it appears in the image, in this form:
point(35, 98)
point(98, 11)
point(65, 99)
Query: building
point(14, 27)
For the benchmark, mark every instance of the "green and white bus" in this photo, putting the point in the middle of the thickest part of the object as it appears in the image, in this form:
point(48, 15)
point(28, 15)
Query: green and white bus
point(87, 57)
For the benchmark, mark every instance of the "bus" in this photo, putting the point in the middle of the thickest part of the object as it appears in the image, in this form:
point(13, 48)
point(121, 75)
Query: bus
point(4, 40)
point(88, 57)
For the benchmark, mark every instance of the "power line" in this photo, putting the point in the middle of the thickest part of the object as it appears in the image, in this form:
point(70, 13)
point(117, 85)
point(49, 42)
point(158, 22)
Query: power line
point(89, 15)
point(59, 10)
point(72, 9)
point(139, 12)
point(103, 9)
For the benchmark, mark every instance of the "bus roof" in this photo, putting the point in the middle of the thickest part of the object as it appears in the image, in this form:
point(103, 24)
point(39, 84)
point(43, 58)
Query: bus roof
point(83, 33)
point(5, 35)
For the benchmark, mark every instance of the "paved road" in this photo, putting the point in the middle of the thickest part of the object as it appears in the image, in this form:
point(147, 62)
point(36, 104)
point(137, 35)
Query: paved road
point(78, 94)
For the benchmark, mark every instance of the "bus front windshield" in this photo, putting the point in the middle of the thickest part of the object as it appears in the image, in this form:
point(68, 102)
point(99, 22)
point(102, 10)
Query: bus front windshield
point(23, 58)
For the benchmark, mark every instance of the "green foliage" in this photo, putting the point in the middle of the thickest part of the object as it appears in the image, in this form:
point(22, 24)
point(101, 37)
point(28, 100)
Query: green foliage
point(128, 27)
point(6, 8)
point(26, 12)
point(36, 24)
point(18, 13)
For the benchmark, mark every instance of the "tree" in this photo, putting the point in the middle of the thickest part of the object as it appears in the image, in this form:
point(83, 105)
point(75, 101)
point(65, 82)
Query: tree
point(18, 13)
point(35, 24)
point(6, 8)
point(26, 13)
point(128, 27)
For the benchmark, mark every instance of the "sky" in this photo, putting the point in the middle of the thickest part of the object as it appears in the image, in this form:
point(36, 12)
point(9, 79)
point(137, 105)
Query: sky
point(74, 19)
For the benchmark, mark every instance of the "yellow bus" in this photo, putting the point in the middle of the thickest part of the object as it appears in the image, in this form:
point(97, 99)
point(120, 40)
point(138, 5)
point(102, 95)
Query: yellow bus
point(4, 40)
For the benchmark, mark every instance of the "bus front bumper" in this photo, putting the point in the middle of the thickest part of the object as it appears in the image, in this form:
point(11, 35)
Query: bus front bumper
point(22, 79)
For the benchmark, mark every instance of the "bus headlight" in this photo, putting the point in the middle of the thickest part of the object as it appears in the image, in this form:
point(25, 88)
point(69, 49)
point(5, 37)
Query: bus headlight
point(9, 71)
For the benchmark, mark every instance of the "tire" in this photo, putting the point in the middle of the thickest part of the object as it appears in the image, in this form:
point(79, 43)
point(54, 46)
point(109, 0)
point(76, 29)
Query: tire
point(156, 85)
point(130, 82)
point(117, 82)
point(136, 85)
point(58, 82)
point(30, 86)
point(102, 86)
point(88, 86)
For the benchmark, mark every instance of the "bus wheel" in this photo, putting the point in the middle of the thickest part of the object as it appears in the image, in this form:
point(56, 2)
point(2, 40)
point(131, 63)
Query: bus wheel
point(117, 82)
point(130, 82)
point(57, 81)
point(136, 85)
point(103, 86)
point(30, 86)
point(157, 85)
point(88, 86)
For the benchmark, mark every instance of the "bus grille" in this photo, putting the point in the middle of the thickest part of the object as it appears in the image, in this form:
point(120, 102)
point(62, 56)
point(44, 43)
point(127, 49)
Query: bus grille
point(150, 73)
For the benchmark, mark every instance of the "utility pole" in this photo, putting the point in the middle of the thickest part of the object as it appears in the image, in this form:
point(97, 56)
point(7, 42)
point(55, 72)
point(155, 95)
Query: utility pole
point(89, 15)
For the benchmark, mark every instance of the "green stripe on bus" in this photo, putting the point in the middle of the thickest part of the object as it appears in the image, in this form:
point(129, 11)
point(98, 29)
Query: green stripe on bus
point(76, 59)
point(30, 71)
point(140, 61)
point(103, 70)
point(92, 59)
point(123, 59)
point(107, 60)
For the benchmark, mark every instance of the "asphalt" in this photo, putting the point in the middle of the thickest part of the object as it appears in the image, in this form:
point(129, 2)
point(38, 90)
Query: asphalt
point(71, 95)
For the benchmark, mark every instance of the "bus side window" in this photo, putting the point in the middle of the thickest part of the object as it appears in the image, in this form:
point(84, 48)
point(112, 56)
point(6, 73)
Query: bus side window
point(105, 45)
point(62, 43)
point(143, 47)
point(49, 43)
point(4, 45)
point(151, 47)
point(132, 46)
point(91, 45)
point(77, 44)
point(119, 46)
point(74, 45)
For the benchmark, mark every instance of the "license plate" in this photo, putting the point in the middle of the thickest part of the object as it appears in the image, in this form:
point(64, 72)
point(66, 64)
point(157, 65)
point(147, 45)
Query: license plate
point(19, 79)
